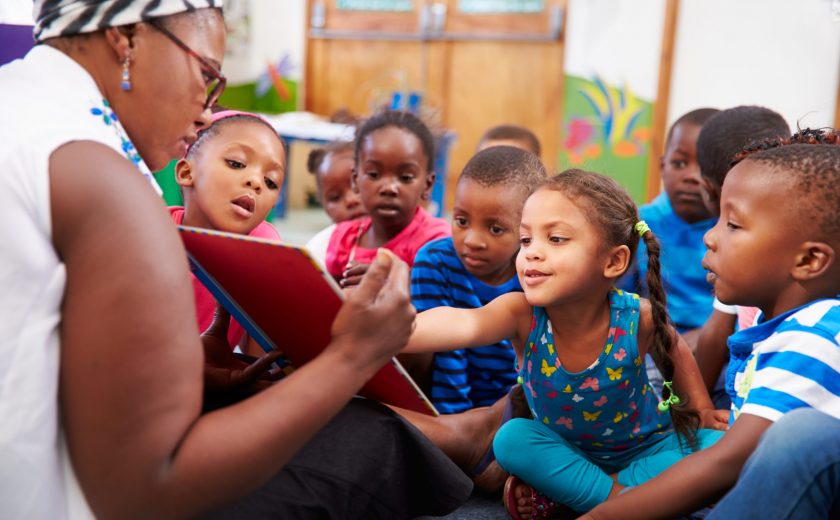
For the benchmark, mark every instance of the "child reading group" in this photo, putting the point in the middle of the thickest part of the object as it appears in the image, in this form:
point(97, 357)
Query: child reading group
point(587, 357)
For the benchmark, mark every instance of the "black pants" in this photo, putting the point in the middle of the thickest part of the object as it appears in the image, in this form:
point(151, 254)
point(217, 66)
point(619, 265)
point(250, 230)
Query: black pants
point(367, 463)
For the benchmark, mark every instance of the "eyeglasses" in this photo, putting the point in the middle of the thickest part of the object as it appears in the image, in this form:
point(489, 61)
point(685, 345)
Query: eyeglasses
point(214, 80)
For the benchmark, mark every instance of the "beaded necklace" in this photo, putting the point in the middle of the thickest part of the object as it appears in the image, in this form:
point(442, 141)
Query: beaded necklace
point(107, 116)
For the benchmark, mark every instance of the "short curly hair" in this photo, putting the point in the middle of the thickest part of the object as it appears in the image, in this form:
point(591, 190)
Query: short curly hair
point(513, 133)
point(810, 162)
point(728, 132)
point(506, 166)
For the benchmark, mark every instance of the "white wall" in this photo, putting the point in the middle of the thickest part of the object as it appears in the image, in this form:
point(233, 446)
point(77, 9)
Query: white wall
point(618, 40)
point(16, 12)
point(782, 54)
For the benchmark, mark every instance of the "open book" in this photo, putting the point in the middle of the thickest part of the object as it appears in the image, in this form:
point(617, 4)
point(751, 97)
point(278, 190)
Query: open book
point(284, 299)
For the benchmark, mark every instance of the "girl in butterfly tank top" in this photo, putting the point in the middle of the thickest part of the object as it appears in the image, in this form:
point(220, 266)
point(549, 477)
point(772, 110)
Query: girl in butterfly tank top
point(597, 425)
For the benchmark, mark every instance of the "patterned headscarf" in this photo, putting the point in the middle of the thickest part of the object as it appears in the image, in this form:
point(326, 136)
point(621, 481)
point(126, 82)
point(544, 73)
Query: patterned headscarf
point(69, 17)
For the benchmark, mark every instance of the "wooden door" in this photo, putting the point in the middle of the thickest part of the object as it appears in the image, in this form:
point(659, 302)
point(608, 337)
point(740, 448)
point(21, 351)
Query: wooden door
point(475, 69)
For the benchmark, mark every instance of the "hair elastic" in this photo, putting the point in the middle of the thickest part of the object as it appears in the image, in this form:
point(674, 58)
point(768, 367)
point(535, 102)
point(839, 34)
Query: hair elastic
point(641, 228)
point(672, 400)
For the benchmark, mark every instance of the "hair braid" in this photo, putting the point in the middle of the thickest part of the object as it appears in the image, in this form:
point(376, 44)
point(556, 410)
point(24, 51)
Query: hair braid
point(685, 422)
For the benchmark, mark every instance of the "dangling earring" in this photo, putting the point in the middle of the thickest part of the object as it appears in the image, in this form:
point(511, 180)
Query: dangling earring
point(125, 84)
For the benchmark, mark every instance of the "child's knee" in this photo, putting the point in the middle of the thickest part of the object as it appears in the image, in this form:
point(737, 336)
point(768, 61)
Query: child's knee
point(510, 442)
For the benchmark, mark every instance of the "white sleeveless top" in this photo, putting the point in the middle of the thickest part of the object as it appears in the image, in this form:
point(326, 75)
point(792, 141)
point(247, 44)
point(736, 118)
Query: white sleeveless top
point(47, 100)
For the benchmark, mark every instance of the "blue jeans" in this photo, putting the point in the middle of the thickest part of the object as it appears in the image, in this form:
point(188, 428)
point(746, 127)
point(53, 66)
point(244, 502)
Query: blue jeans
point(793, 474)
point(560, 470)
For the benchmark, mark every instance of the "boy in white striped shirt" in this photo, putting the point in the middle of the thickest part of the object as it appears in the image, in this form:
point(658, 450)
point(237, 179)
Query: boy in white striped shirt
point(775, 247)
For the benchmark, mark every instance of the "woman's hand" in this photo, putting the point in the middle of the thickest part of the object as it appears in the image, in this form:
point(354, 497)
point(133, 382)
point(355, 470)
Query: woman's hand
point(377, 317)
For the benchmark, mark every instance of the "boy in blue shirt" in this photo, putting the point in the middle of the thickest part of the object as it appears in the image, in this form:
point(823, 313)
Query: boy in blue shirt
point(679, 218)
point(475, 266)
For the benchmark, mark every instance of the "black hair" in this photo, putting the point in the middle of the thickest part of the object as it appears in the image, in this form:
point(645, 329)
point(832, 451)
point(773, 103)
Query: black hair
point(728, 132)
point(403, 120)
point(611, 209)
point(513, 133)
point(506, 166)
point(213, 130)
point(317, 155)
point(810, 161)
point(697, 117)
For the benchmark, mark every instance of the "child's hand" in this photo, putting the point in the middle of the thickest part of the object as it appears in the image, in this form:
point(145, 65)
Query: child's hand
point(353, 274)
point(714, 419)
point(222, 369)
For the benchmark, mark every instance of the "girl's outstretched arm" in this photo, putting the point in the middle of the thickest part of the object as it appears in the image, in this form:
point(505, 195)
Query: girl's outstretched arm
point(448, 328)
point(692, 483)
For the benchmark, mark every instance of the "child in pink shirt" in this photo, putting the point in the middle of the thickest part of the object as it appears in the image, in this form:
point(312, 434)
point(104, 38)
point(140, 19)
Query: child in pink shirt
point(394, 174)
point(230, 177)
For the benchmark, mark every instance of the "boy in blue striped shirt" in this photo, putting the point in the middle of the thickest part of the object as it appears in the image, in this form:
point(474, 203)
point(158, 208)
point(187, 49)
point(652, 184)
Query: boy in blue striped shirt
point(475, 266)
point(775, 247)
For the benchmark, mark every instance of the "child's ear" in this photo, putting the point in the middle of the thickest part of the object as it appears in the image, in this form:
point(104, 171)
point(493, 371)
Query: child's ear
point(184, 173)
point(618, 261)
point(430, 181)
point(354, 185)
point(813, 260)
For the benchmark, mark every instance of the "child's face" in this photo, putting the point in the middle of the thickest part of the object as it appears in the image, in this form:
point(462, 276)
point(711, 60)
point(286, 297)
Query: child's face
point(751, 249)
point(681, 174)
point(485, 229)
point(392, 176)
point(337, 196)
point(560, 251)
point(234, 179)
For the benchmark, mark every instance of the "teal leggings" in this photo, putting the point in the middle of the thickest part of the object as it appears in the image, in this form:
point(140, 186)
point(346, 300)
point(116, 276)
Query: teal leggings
point(556, 468)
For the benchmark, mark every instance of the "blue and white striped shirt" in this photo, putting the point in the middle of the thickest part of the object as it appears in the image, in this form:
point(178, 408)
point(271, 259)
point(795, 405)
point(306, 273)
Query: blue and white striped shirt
point(466, 378)
point(789, 362)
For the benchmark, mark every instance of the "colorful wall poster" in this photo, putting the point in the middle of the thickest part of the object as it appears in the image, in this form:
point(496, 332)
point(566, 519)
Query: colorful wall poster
point(611, 77)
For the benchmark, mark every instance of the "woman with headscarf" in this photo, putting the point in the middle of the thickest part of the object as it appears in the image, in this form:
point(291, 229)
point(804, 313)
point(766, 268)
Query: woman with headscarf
point(100, 379)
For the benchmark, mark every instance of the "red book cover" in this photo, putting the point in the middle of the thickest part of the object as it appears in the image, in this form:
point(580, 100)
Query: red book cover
point(284, 299)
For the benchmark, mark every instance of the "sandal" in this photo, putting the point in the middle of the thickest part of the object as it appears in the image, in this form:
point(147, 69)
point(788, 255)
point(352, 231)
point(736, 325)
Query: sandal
point(541, 505)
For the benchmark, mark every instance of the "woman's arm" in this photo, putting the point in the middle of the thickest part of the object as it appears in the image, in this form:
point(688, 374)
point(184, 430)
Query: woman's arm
point(447, 328)
point(131, 361)
point(692, 483)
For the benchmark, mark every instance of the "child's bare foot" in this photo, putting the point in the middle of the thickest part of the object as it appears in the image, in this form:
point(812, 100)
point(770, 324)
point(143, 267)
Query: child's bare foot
point(518, 498)
point(523, 502)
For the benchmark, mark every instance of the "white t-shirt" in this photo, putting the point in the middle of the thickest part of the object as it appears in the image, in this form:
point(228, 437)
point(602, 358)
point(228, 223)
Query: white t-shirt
point(318, 245)
point(47, 100)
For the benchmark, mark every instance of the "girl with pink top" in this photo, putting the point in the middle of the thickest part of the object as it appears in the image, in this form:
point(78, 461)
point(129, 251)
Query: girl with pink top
point(231, 177)
point(394, 158)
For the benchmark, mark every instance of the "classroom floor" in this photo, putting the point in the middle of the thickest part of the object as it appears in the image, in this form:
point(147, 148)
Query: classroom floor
point(299, 225)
